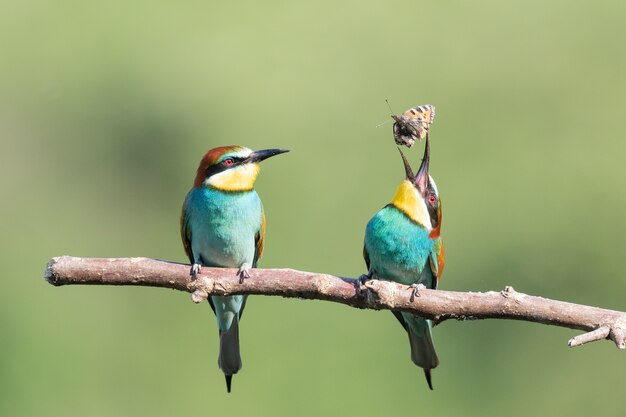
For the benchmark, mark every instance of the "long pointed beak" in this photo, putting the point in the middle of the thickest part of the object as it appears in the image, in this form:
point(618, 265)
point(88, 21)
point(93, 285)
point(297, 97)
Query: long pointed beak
point(421, 179)
point(407, 167)
point(259, 156)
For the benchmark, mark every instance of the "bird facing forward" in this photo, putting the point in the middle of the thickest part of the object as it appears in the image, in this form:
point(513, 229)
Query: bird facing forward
point(223, 225)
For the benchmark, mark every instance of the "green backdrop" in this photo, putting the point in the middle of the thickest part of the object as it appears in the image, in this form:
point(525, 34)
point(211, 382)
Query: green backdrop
point(107, 107)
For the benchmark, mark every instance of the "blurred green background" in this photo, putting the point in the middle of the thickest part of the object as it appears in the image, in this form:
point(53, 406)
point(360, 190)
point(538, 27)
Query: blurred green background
point(106, 109)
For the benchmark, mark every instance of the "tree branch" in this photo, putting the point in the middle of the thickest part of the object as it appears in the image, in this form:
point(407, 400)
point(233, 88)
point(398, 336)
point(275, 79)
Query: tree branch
point(377, 295)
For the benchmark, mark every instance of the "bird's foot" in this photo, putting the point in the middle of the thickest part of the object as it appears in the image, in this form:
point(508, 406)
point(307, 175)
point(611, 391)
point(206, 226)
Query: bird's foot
point(196, 269)
point(358, 283)
point(244, 272)
point(415, 290)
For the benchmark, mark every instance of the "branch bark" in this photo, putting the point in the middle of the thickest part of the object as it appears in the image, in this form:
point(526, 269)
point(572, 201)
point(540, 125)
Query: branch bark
point(377, 295)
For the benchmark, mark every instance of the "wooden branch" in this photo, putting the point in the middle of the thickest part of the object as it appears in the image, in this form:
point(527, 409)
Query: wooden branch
point(377, 295)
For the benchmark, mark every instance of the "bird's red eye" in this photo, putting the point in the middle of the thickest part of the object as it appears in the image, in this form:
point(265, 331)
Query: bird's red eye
point(432, 199)
point(229, 162)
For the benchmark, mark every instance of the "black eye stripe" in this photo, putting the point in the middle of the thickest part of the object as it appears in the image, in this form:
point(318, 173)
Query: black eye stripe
point(221, 166)
point(235, 159)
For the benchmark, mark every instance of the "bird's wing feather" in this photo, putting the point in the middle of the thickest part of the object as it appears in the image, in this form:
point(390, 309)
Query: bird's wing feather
point(397, 314)
point(437, 257)
point(438, 253)
point(185, 234)
point(259, 241)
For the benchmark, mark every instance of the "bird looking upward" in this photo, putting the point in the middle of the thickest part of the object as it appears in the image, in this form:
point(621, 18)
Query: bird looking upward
point(223, 225)
point(403, 244)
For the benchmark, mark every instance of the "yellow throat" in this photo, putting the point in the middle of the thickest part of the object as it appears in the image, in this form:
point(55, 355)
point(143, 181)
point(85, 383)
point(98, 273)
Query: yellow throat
point(240, 178)
point(410, 202)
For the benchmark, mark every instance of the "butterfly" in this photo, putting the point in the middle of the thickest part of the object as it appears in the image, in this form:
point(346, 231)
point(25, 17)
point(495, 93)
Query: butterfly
point(413, 124)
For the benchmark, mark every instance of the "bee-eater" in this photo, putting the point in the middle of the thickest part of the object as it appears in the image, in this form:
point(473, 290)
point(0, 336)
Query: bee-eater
point(223, 225)
point(403, 244)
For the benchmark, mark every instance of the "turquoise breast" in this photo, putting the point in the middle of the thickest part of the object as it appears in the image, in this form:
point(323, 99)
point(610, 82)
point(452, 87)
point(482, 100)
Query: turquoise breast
point(224, 225)
point(398, 248)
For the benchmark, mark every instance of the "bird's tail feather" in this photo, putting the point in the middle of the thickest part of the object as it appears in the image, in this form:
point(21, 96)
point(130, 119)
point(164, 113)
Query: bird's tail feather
point(422, 348)
point(229, 359)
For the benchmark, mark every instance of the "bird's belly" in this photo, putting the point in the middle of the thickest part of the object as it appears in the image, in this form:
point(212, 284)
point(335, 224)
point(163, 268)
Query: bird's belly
point(225, 247)
point(400, 271)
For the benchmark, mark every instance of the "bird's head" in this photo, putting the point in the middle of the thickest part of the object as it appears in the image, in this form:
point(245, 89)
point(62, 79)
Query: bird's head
point(231, 168)
point(417, 196)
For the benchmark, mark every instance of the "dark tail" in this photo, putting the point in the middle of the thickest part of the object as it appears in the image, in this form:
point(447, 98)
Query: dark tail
point(422, 349)
point(229, 359)
point(429, 379)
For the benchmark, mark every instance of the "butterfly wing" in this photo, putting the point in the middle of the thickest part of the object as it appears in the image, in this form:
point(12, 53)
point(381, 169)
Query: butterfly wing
point(425, 113)
point(413, 124)
point(420, 117)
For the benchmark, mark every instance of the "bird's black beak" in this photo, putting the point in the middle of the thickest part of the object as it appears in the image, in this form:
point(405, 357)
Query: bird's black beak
point(420, 180)
point(259, 156)
point(407, 167)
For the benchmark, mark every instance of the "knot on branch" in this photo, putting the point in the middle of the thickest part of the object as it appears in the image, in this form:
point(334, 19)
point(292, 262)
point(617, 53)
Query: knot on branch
point(201, 288)
point(325, 284)
point(508, 292)
point(378, 293)
point(199, 296)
